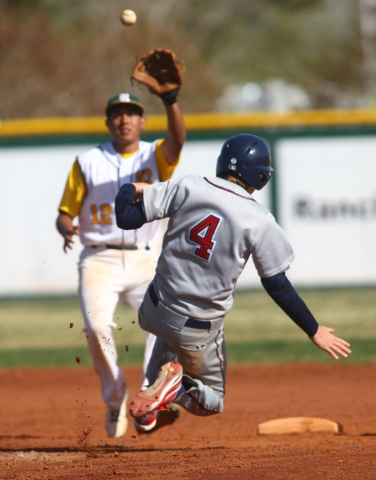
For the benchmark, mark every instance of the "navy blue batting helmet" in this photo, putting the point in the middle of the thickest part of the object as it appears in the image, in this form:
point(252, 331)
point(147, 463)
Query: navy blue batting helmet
point(248, 157)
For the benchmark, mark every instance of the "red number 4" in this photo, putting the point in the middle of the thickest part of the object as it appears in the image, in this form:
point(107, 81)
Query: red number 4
point(202, 234)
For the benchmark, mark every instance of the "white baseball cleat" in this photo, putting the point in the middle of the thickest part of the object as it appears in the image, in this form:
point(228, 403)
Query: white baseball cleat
point(116, 420)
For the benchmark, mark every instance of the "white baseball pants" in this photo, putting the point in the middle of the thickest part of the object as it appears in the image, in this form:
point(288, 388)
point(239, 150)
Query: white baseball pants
point(104, 274)
point(201, 352)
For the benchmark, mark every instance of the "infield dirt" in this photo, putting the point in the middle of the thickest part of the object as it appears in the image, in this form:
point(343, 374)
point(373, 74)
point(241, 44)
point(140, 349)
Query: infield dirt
point(52, 427)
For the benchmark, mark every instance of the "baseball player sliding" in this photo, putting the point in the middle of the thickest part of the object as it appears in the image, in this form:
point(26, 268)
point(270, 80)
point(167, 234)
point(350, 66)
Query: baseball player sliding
point(215, 226)
point(114, 262)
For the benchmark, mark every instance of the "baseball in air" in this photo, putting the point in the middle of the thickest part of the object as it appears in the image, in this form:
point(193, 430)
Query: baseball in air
point(128, 17)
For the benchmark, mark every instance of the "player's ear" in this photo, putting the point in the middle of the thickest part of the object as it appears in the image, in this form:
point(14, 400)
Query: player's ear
point(143, 122)
point(107, 122)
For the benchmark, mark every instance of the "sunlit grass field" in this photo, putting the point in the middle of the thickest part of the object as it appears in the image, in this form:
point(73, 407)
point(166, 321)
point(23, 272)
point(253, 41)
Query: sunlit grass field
point(36, 332)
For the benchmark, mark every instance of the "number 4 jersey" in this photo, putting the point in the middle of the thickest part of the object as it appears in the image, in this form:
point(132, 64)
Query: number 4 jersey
point(214, 227)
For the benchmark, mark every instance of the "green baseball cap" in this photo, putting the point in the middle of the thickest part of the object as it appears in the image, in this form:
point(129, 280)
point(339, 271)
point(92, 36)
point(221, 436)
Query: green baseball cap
point(126, 99)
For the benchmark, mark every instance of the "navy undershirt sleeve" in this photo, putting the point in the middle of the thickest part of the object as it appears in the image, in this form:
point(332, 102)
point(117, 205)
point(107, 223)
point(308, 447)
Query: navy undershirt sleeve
point(287, 298)
point(129, 214)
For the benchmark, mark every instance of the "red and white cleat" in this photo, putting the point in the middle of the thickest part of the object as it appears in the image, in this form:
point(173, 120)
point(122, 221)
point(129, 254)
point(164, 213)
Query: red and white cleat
point(146, 423)
point(156, 419)
point(160, 394)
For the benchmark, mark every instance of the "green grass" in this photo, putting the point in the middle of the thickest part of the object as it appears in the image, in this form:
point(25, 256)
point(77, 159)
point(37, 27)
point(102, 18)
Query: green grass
point(352, 312)
point(261, 352)
point(63, 357)
point(42, 323)
point(36, 332)
point(364, 351)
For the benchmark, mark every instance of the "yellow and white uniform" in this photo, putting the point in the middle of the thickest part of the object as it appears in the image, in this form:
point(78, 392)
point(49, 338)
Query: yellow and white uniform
point(113, 262)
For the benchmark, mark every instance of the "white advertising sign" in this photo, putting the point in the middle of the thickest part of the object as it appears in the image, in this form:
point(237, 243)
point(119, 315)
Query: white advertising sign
point(327, 207)
point(32, 260)
point(32, 181)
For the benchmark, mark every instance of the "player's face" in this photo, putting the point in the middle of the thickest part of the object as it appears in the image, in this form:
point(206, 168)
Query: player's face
point(125, 125)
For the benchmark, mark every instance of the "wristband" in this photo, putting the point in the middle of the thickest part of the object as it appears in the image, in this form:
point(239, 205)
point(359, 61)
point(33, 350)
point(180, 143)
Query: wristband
point(169, 98)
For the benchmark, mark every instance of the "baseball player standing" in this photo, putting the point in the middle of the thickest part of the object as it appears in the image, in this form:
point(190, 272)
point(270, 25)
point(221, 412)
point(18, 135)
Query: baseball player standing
point(114, 262)
point(215, 226)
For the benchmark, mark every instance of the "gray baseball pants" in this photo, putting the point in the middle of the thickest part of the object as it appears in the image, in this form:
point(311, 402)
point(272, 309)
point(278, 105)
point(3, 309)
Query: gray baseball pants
point(201, 352)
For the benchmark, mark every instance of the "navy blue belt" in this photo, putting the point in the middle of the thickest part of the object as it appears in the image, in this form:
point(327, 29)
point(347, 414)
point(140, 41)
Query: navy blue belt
point(117, 247)
point(201, 324)
point(120, 247)
point(191, 322)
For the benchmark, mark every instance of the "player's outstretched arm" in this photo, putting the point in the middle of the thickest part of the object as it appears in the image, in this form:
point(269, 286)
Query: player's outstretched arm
point(65, 227)
point(287, 298)
point(176, 133)
point(162, 73)
point(328, 342)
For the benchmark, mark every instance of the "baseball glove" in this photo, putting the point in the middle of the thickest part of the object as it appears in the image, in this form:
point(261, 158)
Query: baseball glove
point(160, 71)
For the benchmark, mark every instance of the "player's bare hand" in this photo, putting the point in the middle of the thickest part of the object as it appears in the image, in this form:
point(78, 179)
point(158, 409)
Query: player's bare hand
point(328, 342)
point(68, 237)
point(139, 190)
point(65, 227)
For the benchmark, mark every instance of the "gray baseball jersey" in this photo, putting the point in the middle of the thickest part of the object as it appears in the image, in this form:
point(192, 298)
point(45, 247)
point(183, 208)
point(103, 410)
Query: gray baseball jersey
point(214, 227)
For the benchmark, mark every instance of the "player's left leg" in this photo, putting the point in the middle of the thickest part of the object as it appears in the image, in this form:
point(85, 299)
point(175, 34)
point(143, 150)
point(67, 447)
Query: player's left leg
point(99, 292)
point(202, 355)
point(139, 270)
point(134, 297)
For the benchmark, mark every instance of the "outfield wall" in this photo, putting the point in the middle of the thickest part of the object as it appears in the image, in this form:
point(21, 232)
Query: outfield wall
point(323, 192)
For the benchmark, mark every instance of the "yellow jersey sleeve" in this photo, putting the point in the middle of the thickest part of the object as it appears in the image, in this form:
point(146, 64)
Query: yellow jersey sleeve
point(74, 193)
point(165, 170)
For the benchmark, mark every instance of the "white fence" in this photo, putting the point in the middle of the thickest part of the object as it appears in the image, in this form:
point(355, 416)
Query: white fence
point(326, 204)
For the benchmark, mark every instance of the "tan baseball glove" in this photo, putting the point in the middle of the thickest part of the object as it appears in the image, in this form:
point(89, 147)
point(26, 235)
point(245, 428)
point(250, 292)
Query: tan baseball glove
point(161, 72)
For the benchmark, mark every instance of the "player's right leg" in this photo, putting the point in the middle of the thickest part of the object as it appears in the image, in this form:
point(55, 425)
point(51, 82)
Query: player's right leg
point(200, 351)
point(140, 270)
point(99, 292)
